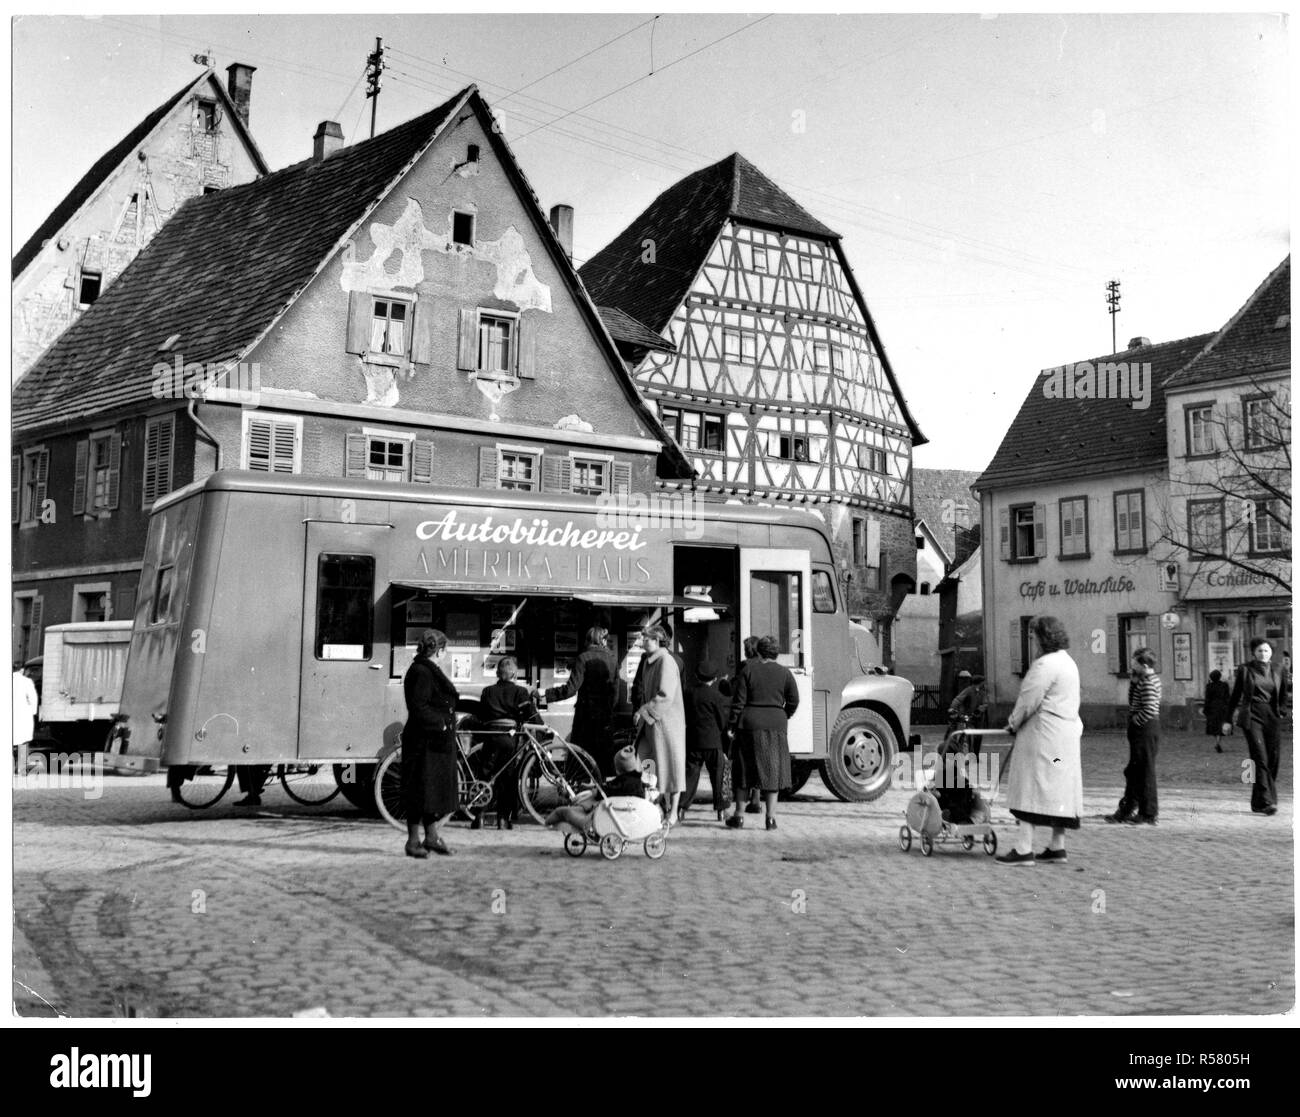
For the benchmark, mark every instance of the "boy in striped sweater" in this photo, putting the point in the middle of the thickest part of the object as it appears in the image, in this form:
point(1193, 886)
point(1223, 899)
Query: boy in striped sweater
point(1139, 803)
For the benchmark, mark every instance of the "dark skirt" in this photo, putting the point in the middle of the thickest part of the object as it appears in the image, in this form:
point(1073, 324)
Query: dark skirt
point(430, 788)
point(760, 756)
point(1045, 819)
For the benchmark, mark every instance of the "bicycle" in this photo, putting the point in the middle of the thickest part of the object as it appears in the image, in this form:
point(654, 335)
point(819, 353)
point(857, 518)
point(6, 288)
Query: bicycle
point(202, 786)
point(551, 773)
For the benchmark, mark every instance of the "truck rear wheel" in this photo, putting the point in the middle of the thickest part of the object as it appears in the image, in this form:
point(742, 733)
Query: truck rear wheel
point(859, 764)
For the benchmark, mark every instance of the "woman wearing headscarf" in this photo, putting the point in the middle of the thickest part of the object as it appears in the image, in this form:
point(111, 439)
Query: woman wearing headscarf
point(661, 720)
point(1261, 693)
point(430, 789)
point(594, 681)
point(1045, 787)
point(766, 698)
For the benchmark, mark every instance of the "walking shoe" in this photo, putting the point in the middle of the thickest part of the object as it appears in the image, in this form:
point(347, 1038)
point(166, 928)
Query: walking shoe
point(1056, 855)
point(1014, 858)
point(416, 850)
point(771, 824)
point(752, 808)
point(1119, 817)
point(1265, 810)
point(735, 822)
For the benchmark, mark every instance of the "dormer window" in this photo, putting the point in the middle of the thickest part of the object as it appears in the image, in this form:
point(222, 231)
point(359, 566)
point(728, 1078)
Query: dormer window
point(89, 287)
point(462, 228)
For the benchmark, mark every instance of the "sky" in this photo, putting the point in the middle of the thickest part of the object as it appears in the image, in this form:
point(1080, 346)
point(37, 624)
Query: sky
point(989, 174)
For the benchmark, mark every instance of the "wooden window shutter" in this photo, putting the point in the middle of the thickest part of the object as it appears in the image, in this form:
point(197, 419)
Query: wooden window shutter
point(873, 542)
point(285, 440)
point(360, 311)
point(313, 439)
point(622, 474)
point(1016, 659)
point(422, 462)
point(1040, 530)
point(557, 473)
point(258, 454)
point(15, 470)
point(114, 471)
point(1112, 644)
point(79, 478)
point(42, 482)
point(487, 467)
point(467, 350)
point(527, 349)
point(354, 455)
point(1004, 534)
point(156, 481)
point(38, 620)
point(422, 332)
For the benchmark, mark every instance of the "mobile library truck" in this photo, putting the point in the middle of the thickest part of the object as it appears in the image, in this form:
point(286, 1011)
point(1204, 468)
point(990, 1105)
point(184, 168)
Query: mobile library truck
point(277, 615)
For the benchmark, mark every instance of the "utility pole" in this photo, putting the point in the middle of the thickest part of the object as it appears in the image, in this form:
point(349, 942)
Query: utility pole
point(1112, 302)
point(374, 80)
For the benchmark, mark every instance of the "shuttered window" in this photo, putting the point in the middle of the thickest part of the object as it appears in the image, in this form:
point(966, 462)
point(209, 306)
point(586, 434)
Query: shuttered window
point(272, 444)
point(1130, 521)
point(518, 469)
point(158, 438)
point(1074, 526)
point(35, 479)
point(29, 612)
point(98, 476)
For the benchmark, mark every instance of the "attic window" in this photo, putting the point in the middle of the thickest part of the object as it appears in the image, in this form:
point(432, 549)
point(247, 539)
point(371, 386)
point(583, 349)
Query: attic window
point(462, 228)
point(208, 114)
point(89, 287)
point(211, 189)
point(472, 154)
point(1283, 322)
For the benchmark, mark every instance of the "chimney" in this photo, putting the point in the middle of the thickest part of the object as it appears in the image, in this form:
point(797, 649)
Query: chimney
point(239, 84)
point(1138, 342)
point(328, 139)
point(562, 223)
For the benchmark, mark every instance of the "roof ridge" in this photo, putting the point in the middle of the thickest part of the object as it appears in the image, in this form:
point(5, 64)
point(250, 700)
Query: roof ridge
point(1125, 352)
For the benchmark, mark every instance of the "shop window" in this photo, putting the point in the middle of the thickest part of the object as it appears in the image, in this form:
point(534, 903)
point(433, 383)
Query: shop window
point(1073, 512)
point(345, 595)
point(1130, 522)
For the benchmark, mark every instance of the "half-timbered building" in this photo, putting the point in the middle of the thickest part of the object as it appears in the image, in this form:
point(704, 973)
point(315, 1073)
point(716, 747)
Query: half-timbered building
point(773, 380)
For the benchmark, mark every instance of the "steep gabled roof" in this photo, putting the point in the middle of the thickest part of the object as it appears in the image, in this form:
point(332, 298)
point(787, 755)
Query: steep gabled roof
point(683, 222)
point(1056, 439)
point(1256, 341)
point(228, 265)
point(107, 163)
point(623, 327)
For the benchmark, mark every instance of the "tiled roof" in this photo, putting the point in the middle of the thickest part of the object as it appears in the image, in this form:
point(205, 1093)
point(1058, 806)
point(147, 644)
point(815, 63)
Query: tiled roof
point(1252, 343)
point(683, 222)
point(1056, 439)
point(217, 274)
point(104, 166)
point(623, 327)
point(932, 489)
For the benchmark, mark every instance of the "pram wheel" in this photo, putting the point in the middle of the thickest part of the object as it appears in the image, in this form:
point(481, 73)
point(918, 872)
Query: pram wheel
point(968, 842)
point(990, 843)
point(611, 847)
point(927, 845)
point(655, 846)
point(904, 838)
point(575, 844)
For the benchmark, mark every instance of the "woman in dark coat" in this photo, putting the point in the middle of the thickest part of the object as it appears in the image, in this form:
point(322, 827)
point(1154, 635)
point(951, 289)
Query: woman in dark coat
point(766, 697)
point(594, 680)
point(429, 786)
point(1261, 694)
point(1217, 696)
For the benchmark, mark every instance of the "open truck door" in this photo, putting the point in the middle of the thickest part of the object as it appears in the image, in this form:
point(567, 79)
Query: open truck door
point(775, 601)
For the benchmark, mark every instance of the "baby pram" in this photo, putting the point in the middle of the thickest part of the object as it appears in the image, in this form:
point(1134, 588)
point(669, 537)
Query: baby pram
point(956, 811)
point(618, 820)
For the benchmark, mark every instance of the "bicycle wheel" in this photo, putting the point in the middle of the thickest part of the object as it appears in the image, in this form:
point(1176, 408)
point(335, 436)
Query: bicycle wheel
point(557, 780)
point(388, 790)
point(204, 787)
point(309, 784)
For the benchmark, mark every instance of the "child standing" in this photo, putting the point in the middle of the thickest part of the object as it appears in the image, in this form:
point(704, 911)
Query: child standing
point(706, 724)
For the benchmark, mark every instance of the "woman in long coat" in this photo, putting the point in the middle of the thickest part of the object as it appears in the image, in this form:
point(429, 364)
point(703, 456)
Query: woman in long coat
point(1218, 706)
point(594, 680)
point(766, 698)
point(1045, 787)
point(661, 721)
point(1261, 694)
point(429, 786)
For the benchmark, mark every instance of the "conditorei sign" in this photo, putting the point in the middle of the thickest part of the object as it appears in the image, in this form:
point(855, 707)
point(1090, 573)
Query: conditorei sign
point(560, 550)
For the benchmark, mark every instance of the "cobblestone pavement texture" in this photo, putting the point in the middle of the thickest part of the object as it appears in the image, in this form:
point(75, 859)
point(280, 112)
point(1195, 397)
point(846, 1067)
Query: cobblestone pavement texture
point(129, 905)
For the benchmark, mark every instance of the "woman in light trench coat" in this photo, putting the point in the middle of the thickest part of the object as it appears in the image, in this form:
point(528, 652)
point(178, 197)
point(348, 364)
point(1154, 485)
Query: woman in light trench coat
point(661, 722)
point(1045, 787)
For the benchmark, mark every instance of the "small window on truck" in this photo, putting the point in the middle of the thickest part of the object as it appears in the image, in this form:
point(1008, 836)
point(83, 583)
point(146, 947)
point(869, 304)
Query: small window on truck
point(823, 592)
point(162, 595)
point(345, 606)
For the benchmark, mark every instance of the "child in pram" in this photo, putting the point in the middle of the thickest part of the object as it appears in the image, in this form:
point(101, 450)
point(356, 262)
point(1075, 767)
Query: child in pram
point(959, 803)
point(626, 780)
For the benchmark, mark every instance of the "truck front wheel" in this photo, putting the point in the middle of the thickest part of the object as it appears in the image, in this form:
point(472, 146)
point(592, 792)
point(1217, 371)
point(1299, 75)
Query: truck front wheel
point(860, 761)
